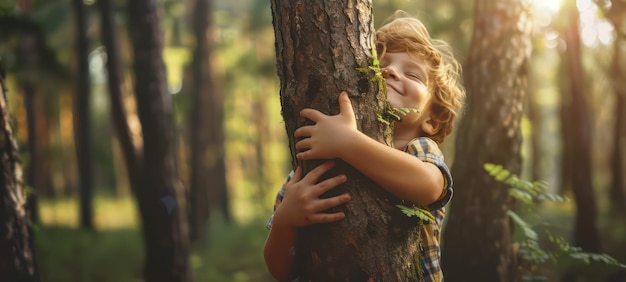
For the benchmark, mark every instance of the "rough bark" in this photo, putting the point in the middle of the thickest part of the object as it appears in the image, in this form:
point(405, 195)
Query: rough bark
point(17, 257)
point(319, 47)
point(478, 239)
point(82, 119)
point(576, 120)
point(161, 198)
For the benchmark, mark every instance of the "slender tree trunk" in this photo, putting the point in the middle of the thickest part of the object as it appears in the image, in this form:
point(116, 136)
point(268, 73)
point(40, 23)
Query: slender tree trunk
point(28, 47)
point(478, 239)
point(17, 254)
point(259, 117)
point(319, 47)
point(617, 193)
point(618, 158)
point(577, 123)
point(162, 199)
point(82, 120)
point(117, 90)
point(33, 162)
point(535, 116)
point(208, 168)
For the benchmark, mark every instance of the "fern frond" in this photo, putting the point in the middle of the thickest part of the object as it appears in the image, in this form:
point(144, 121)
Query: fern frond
point(418, 212)
point(529, 233)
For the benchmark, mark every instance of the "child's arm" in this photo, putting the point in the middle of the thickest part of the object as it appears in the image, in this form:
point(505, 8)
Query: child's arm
point(404, 175)
point(301, 206)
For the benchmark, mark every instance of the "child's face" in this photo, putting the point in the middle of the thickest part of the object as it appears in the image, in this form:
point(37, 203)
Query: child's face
point(407, 79)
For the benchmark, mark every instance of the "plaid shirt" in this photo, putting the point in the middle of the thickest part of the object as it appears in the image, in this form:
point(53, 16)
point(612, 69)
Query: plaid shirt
point(426, 150)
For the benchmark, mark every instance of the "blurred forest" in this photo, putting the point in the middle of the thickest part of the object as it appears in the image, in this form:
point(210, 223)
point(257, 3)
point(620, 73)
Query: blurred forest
point(78, 100)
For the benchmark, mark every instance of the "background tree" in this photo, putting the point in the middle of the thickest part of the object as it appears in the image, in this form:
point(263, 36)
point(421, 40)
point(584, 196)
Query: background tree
point(576, 131)
point(489, 132)
point(617, 15)
point(17, 254)
point(117, 92)
point(82, 126)
point(208, 169)
point(161, 197)
point(320, 47)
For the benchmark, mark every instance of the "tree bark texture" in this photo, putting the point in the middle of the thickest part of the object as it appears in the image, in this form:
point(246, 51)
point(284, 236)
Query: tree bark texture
point(82, 120)
point(17, 255)
point(576, 123)
point(162, 199)
point(320, 45)
point(478, 239)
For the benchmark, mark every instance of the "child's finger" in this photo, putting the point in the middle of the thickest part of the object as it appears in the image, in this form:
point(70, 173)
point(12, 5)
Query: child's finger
point(297, 175)
point(329, 183)
point(315, 174)
point(332, 202)
point(326, 217)
point(312, 114)
point(304, 131)
point(345, 105)
point(303, 144)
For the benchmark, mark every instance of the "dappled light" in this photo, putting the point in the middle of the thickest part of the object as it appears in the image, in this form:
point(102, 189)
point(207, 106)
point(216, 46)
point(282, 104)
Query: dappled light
point(188, 105)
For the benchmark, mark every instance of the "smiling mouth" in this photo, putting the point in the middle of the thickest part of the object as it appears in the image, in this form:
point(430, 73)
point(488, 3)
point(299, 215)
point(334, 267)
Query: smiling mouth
point(394, 89)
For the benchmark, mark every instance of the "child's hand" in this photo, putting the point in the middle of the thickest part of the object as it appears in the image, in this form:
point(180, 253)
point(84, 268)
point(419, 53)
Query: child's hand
point(302, 206)
point(328, 136)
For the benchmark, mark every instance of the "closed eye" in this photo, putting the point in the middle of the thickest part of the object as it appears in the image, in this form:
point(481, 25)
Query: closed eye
point(414, 76)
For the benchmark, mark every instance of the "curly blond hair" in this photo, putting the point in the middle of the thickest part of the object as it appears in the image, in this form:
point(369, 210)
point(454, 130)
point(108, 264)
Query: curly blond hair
point(404, 33)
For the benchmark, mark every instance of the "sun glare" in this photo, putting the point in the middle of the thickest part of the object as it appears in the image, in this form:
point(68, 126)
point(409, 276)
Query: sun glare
point(551, 6)
point(594, 30)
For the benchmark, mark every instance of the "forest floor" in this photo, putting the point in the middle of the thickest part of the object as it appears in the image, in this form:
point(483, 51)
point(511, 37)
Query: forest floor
point(114, 253)
point(234, 252)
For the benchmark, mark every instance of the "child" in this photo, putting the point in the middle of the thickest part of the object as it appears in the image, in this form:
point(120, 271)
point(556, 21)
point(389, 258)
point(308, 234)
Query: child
point(420, 74)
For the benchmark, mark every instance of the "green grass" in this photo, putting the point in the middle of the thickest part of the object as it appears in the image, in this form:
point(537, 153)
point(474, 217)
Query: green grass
point(228, 252)
point(232, 253)
point(114, 252)
point(69, 254)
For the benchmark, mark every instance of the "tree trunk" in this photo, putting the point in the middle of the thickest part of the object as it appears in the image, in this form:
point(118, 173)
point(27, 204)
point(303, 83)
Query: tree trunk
point(117, 89)
point(82, 120)
point(29, 56)
point(320, 45)
point(535, 115)
point(208, 168)
point(478, 239)
point(162, 199)
point(617, 193)
point(17, 255)
point(577, 122)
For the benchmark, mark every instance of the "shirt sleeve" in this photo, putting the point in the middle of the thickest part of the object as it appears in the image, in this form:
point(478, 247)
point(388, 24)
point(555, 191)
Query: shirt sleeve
point(427, 150)
point(279, 199)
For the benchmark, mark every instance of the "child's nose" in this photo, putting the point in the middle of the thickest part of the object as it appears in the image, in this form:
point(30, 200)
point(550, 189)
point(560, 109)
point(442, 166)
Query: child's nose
point(390, 72)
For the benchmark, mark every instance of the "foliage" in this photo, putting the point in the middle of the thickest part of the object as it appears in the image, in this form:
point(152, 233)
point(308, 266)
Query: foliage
point(529, 194)
point(421, 213)
point(393, 114)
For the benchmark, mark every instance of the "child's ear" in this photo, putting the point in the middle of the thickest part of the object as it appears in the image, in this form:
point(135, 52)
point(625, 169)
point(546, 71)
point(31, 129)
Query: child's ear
point(431, 126)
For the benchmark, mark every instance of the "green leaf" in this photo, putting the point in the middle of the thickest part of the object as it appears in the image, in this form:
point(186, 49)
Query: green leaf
point(521, 195)
point(502, 175)
point(420, 213)
point(526, 228)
